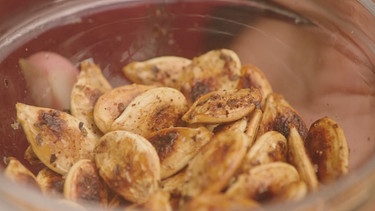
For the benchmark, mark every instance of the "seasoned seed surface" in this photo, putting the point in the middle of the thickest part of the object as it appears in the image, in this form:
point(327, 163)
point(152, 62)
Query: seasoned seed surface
point(57, 138)
point(328, 149)
point(129, 164)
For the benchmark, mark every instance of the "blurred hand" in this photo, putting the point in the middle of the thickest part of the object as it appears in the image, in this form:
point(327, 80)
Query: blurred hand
point(319, 74)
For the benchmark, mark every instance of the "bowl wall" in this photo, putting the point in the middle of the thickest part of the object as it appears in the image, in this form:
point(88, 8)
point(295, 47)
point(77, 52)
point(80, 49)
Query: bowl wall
point(324, 66)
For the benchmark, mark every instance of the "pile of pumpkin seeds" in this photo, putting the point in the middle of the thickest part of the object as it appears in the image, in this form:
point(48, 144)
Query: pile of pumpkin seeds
point(187, 134)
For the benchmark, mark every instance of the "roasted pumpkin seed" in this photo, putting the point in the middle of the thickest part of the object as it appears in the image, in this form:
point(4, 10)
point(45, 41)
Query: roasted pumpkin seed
point(223, 106)
point(253, 123)
point(57, 138)
point(176, 146)
point(112, 103)
point(90, 85)
point(279, 115)
point(129, 164)
point(269, 147)
point(18, 173)
point(253, 77)
point(82, 183)
point(50, 182)
point(160, 71)
point(151, 111)
point(215, 70)
point(212, 168)
point(264, 182)
point(298, 156)
point(328, 149)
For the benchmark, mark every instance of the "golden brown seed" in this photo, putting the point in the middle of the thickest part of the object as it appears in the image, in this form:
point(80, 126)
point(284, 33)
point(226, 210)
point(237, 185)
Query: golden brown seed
point(298, 157)
point(215, 164)
point(166, 71)
point(222, 106)
point(176, 146)
point(151, 111)
point(50, 182)
point(237, 125)
point(328, 149)
point(279, 116)
point(57, 138)
point(264, 182)
point(90, 85)
point(173, 185)
point(112, 103)
point(214, 70)
point(83, 183)
point(31, 157)
point(129, 164)
point(269, 147)
point(253, 77)
point(253, 123)
point(17, 172)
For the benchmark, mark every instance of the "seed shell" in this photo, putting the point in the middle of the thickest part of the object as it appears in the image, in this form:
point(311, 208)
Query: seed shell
point(83, 183)
point(297, 155)
point(151, 111)
point(50, 182)
point(328, 149)
point(269, 147)
point(129, 165)
point(90, 85)
point(279, 115)
point(166, 71)
point(176, 146)
point(212, 168)
point(253, 77)
point(264, 182)
point(17, 172)
point(223, 106)
point(112, 103)
point(57, 138)
point(215, 70)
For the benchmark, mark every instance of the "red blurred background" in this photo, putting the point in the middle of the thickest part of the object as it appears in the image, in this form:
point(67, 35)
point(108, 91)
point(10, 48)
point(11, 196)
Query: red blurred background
point(13, 9)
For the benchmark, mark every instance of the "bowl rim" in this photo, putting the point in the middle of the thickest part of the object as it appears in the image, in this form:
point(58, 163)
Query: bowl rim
point(358, 182)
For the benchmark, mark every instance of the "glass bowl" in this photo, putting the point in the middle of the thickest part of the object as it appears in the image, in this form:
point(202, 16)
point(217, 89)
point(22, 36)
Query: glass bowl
point(319, 54)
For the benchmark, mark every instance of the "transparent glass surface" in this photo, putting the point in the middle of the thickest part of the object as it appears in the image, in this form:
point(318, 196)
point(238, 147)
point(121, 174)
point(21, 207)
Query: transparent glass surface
point(319, 54)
